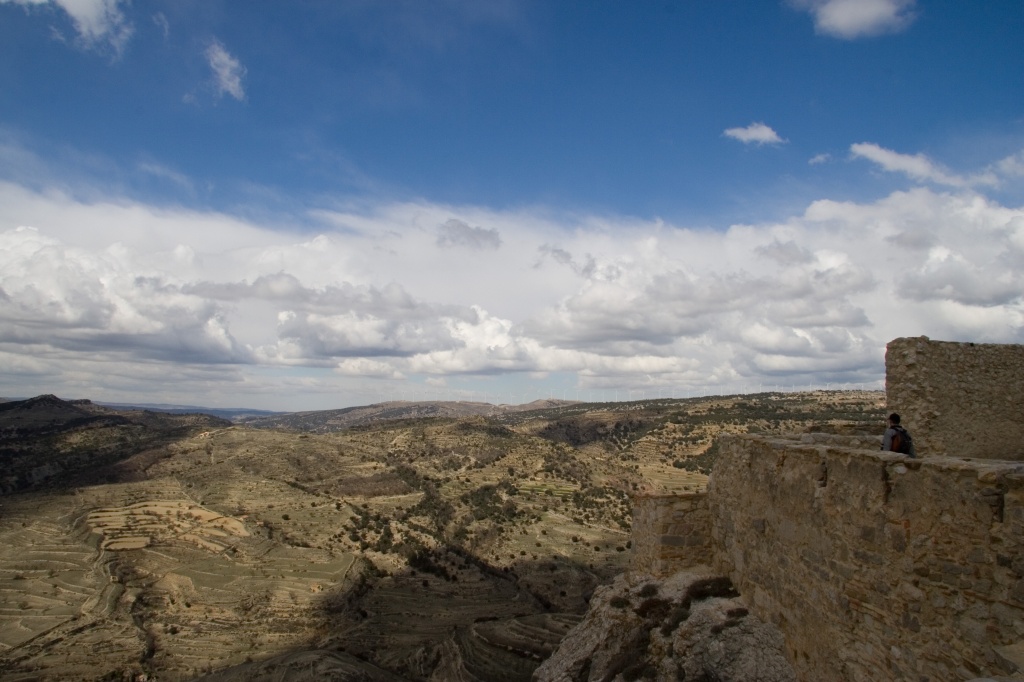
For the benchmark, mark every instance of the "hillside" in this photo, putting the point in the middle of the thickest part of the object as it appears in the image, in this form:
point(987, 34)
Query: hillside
point(399, 549)
point(46, 440)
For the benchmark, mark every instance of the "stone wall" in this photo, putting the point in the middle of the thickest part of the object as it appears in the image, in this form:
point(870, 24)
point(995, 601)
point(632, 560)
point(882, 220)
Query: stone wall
point(959, 399)
point(874, 566)
point(670, 533)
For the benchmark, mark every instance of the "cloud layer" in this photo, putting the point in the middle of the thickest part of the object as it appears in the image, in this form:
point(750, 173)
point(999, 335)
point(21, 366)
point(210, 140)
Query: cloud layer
point(386, 298)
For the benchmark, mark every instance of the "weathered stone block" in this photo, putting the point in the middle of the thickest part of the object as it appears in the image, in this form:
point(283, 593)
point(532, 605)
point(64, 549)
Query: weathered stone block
point(958, 399)
point(913, 565)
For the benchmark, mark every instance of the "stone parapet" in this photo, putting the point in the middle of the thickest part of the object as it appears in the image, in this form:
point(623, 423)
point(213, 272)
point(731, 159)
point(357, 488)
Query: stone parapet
point(958, 399)
point(874, 566)
point(670, 533)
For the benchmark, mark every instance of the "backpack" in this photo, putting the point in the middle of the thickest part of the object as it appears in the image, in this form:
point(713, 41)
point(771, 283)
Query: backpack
point(901, 440)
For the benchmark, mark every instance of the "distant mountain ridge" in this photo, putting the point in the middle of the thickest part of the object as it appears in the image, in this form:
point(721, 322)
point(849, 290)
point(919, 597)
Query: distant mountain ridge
point(319, 421)
point(231, 413)
point(326, 421)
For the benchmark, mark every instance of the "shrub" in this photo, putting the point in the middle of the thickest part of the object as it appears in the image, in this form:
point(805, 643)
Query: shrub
point(648, 590)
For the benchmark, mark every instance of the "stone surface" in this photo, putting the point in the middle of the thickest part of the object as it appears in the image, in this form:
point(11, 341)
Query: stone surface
point(305, 666)
point(895, 569)
point(875, 566)
point(689, 626)
point(670, 532)
point(958, 399)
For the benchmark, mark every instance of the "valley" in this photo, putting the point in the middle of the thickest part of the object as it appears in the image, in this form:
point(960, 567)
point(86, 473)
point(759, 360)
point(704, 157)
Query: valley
point(406, 542)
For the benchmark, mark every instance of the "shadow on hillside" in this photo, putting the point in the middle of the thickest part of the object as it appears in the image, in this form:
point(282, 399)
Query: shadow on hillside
point(448, 615)
point(51, 445)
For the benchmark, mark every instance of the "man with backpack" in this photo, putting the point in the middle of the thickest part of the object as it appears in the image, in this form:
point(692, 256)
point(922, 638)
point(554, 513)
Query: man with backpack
point(897, 439)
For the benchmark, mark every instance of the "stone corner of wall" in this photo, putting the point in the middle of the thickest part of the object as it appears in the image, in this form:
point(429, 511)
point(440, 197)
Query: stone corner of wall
point(958, 398)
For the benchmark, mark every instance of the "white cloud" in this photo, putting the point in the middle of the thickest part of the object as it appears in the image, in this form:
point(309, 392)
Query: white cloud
point(917, 166)
point(755, 133)
point(850, 19)
point(96, 21)
point(227, 71)
point(79, 300)
point(98, 296)
point(1012, 165)
point(818, 159)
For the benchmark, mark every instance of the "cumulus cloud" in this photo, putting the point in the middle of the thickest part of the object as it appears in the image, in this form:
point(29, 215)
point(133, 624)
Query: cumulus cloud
point(755, 133)
point(457, 233)
point(97, 22)
point(228, 72)
point(850, 19)
point(653, 309)
point(328, 337)
point(85, 301)
point(954, 280)
point(917, 166)
point(785, 253)
point(97, 293)
point(587, 266)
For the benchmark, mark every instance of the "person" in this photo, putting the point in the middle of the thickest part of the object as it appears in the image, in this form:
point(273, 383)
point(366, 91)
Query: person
point(897, 439)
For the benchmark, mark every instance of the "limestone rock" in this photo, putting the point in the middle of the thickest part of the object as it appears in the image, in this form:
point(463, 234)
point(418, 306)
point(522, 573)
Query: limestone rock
point(689, 626)
point(305, 666)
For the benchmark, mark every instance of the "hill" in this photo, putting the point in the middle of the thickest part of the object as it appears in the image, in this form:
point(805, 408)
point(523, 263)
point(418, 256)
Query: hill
point(53, 441)
point(396, 549)
point(328, 421)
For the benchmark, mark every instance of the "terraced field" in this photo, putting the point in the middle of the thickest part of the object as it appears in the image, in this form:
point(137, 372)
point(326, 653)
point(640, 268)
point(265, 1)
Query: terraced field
point(415, 549)
point(51, 580)
point(163, 584)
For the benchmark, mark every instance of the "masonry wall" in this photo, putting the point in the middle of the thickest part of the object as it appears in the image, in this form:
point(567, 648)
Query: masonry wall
point(874, 566)
point(962, 399)
point(670, 533)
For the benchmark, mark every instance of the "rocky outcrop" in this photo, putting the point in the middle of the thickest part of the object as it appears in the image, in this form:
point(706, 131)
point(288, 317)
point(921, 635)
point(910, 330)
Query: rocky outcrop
point(305, 666)
point(689, 626)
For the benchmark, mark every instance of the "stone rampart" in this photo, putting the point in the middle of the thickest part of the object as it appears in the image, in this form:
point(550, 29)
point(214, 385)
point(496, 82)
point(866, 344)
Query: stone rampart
point(874, 566)
point(960, 399)
point(670, 533)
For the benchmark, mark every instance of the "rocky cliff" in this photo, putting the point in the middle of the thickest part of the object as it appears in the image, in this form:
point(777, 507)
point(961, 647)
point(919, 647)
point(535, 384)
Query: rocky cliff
point(690, 626)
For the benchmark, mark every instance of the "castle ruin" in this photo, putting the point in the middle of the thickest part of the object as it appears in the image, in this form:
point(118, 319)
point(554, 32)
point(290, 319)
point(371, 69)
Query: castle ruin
point(875, 566)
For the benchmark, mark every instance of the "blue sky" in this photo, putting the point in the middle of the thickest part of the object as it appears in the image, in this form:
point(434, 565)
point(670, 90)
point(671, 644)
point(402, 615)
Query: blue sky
point(317, 204)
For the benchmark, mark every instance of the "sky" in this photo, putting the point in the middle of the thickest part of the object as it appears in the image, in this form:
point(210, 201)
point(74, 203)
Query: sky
point(323, 203)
